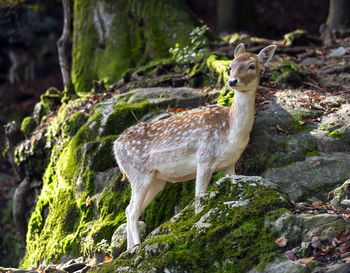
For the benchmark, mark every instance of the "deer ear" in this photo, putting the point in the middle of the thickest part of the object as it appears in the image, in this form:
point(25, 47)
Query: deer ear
point(266, 53)
point(239, 50)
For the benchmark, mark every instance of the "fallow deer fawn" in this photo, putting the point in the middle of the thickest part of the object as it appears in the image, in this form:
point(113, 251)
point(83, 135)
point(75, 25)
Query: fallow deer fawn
point(192, 145)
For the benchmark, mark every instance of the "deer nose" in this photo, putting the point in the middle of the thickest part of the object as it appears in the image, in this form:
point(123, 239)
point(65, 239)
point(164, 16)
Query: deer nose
point(232, 82)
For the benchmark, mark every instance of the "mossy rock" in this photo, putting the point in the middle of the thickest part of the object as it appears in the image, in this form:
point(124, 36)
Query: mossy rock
point(222, 231)
point(218, 69)
point(51, 98)
point(28, 125)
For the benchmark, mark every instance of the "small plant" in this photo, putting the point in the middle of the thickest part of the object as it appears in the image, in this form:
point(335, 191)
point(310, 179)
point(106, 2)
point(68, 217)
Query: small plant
point(196, 52)
point(287, 74)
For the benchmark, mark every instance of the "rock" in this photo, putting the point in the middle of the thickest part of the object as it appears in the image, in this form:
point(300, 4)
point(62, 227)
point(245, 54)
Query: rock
point(212, 235)
point(301, 178)
point(286, 225)
point(324, 226)
point(119, 242)
point(340, 51)
point(180, 97)
point(280, 265)
point(338, 123)
point(339, 196)
point(74, 267)
point(338, 268)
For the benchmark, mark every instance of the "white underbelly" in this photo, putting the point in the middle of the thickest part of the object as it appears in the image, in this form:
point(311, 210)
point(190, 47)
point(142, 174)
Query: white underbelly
point(177, 169)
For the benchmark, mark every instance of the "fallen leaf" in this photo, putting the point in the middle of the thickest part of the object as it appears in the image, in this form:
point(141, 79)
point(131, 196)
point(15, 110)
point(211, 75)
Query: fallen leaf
point(317, 203)
point(281, 242)
point(306, 260)
point(344, 236)
point(315, 242)
point(345, 247)
point(325, 250)
point(290, 256)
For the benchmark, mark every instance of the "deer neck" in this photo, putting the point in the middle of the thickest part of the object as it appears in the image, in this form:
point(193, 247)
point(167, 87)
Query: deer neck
point(242, 112)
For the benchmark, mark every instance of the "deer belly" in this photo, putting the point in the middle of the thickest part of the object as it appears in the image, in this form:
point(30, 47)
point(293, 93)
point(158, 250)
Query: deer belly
point(177, 169)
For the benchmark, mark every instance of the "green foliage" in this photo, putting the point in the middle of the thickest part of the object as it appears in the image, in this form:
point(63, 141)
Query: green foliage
point(196, 51)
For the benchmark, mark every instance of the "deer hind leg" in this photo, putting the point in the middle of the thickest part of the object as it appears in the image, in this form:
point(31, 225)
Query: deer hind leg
point(155, 188)
point(204, 173)
point(139, 191)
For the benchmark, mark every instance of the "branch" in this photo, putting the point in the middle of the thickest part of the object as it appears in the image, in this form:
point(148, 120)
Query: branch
point(63, 45)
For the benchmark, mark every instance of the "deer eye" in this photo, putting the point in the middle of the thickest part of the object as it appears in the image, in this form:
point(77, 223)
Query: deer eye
point(251, 66)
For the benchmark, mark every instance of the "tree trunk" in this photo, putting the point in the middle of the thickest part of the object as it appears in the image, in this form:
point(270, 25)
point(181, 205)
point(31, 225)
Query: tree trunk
point(111, 37)
point(63, 47)
point(338, 18)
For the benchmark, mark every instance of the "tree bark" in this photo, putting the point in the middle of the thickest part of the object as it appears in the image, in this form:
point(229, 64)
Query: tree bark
point(338, 18)
point(64, 45)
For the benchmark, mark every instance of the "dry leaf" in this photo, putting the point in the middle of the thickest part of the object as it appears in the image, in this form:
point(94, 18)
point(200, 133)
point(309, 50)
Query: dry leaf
point(279, 128)
point(317, 203)
point(306, 260)
point(315, 242)
point(107, 259)
point(290, 256)
point(281, 242)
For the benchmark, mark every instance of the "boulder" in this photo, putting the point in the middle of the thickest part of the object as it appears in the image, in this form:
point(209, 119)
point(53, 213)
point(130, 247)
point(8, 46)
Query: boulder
point(304, 177)
point(222, 230)
point(340, 196)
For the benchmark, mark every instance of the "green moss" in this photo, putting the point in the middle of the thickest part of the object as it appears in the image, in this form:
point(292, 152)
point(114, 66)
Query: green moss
point(219, 71)
point(291, 37)
point(112, 37)
point(28, 126)
point(337, 134)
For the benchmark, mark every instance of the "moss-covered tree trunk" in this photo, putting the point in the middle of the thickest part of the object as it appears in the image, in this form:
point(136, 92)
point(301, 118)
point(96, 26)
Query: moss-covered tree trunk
point(111, 37)
point(338, 18)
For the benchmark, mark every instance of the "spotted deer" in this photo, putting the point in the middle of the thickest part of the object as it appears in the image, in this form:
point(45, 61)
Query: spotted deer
point(192, 145)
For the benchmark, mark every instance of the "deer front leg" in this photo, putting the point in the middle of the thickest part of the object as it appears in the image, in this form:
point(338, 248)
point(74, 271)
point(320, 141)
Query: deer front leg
point(204, 173)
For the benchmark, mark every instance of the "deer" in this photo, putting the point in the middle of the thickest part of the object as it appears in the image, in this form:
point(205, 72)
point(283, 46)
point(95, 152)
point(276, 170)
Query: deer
point(191, 145)
point(21, 61)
